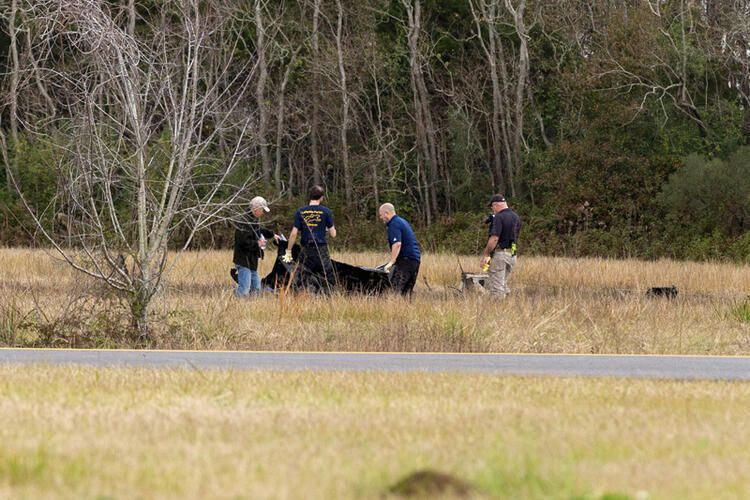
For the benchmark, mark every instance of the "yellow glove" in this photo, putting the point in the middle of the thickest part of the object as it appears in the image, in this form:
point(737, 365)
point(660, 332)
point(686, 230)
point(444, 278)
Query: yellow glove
point(287, 258)
point(388, 267)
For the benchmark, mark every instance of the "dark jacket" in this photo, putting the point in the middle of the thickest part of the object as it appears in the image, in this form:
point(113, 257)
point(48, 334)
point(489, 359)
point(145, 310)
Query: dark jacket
point(246, 248)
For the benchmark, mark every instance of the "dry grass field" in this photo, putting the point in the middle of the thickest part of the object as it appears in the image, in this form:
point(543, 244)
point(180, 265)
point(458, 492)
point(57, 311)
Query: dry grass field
point(81, 432)
point(73, 432)
point(557, 305)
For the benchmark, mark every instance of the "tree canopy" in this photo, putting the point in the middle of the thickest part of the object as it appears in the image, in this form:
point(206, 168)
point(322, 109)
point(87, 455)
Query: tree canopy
point(615, 128)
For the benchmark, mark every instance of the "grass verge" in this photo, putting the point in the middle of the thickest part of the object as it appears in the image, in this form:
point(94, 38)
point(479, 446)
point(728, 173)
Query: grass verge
point(134, 433)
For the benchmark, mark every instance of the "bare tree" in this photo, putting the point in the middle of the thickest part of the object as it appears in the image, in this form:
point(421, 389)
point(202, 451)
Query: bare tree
point(425, 127)
point(13, 94)
point(509, 78)
point(732, 24)
point(13, 90)
point(522, 75)
point(314, 125)
point(653, 64)
point(136, 160)
point(260, 89)
point(280, 115)
point(485, 17)
point(131, 17)
point(348, 182)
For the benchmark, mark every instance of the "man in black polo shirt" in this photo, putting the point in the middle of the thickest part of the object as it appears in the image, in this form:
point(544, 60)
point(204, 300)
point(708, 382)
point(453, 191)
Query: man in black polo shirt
point(405, 253)
point(314, 220)
point(501, 246)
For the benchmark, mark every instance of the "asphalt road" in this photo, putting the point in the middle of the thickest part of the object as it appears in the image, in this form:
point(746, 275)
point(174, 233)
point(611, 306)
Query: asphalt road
point(657, 367)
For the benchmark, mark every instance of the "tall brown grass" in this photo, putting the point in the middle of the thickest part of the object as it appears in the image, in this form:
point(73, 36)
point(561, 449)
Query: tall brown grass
point(557, 305)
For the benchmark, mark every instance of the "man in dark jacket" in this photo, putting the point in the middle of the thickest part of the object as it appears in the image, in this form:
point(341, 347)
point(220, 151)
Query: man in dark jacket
point(249, 242)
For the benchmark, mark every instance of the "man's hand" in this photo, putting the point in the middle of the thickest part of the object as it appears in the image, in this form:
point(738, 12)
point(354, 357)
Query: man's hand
point(287, 258)
point(485, 260)
point(276, 238)
point(388, 267)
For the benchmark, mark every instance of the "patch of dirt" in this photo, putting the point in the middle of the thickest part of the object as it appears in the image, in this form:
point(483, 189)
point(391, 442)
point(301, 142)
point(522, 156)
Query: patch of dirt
point(429, 483)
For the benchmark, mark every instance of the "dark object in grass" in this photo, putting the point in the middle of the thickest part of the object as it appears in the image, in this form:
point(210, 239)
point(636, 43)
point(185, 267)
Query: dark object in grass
point(428, 483)
point(349, 278)
point(233, 274)
point(667, 292)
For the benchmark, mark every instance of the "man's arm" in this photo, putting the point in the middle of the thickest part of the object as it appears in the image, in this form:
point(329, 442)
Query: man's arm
point(292, 239)
point(287, 258)
point(330, 227)
point(491, 244)
point(395, 250)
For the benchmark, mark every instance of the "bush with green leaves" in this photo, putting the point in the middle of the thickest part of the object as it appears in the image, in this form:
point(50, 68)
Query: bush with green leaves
point(706, 197)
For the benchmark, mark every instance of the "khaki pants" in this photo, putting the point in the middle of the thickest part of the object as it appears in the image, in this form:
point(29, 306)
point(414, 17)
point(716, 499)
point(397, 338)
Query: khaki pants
point(499, 272)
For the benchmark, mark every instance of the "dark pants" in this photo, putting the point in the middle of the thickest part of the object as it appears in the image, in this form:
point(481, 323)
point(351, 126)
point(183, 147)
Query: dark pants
point(404, 275)
point(318, 272)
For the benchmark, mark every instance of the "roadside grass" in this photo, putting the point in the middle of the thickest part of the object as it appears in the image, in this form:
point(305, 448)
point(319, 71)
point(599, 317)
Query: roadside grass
point(557, 305)
point(86, 432)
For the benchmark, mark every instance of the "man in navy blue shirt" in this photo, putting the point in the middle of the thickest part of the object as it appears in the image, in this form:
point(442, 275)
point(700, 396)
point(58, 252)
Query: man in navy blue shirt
point(313, 221)
point(501, 246)
point(405, 253)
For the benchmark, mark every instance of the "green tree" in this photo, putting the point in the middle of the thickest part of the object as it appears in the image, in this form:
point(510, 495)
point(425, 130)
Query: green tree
point(708, 196)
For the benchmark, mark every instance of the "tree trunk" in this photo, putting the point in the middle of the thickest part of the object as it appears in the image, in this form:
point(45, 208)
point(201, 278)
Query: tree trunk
point(139, 309)
point(506, 121)
point(37, 76)
point(523, 72)
point(14, 70)
point(260, 93)
point(487, 15)
point(497, 148)
point(131, 17)
point(314, 148)
point(280, 110)
point(712, 12)
point(12, 97)
point(422, 115)
point(348, 183)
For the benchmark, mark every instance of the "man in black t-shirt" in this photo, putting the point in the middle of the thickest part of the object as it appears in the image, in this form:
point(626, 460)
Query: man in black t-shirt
point(501, 246)
point(314, 221)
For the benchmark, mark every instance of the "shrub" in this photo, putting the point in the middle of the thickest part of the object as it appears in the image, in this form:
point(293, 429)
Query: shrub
point(706, 196)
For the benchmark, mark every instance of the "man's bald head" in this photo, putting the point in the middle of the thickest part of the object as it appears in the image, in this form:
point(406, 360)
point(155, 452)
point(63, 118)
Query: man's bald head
point(386, 212)
point(388, 207)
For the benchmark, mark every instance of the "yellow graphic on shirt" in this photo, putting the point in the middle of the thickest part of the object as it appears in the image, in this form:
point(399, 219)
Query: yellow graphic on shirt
point(312, 218)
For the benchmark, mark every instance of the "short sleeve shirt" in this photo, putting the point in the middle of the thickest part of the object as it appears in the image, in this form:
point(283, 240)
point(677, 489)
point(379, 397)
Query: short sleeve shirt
point(399, 231)
point(313, 221)
point(506, 226)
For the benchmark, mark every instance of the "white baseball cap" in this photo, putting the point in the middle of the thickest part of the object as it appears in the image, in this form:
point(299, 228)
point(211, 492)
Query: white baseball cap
point(259, 202)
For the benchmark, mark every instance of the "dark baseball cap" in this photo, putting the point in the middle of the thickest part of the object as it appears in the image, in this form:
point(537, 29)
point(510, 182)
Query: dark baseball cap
point(497, 198)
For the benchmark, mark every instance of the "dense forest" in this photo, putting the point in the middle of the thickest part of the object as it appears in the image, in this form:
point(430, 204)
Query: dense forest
point(614, 127)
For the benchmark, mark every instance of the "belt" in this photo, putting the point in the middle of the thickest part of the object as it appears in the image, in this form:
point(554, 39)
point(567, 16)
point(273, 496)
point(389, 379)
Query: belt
point(402, 259)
